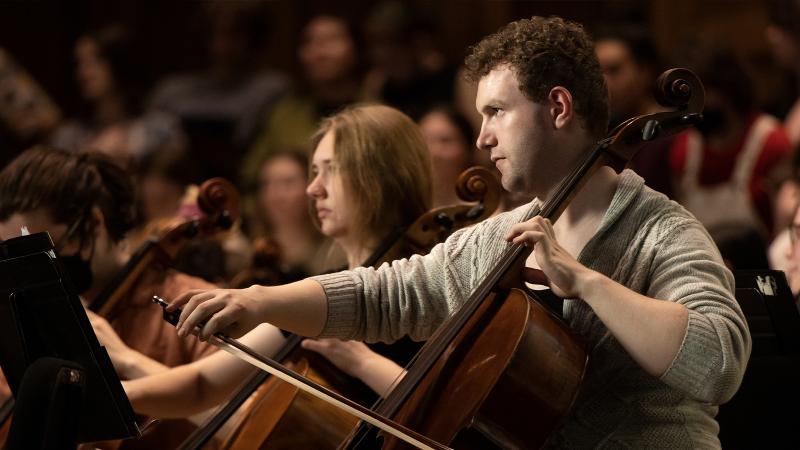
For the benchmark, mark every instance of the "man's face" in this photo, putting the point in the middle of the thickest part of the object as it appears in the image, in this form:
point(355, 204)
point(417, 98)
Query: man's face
point(516, 134)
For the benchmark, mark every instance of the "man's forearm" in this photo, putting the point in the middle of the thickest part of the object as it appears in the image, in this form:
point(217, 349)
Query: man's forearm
point(299, 307)
point(650, 330)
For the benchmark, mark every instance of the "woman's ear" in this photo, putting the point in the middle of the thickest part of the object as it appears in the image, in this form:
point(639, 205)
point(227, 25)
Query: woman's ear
point(561, 109)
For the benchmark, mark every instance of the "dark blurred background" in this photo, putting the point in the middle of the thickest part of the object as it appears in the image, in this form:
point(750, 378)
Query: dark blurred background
point(41, 33)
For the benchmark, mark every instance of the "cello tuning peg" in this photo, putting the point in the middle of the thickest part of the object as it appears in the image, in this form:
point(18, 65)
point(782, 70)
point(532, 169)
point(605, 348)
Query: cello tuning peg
point(475, 212)
point(224, 220)
point(193, 229)
point(444, 221)
point(692, 119)
point(650, 130)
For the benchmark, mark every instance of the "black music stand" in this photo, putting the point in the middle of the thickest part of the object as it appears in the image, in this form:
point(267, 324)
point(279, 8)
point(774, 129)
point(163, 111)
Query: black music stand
point(770, 309)
point(41, 316)
point(756, 416)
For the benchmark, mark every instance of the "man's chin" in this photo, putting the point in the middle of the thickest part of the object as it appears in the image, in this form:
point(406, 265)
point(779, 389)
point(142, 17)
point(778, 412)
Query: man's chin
point(515, 185)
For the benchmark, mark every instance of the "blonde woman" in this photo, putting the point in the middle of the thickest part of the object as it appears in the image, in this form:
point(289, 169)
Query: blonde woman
point(370, 175)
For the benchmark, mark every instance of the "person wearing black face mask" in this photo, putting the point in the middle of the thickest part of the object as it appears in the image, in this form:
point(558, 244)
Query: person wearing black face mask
point(720, 169)
point(78, 269)
point(86, 203)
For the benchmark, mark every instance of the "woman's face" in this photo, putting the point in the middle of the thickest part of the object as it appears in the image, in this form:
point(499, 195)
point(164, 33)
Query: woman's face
point(282, 191)
point(335, 211)
point(93, 72)
point(447, 146)
point(327, 52)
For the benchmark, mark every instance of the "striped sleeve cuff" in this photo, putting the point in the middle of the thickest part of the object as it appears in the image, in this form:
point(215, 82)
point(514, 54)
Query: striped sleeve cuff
point(341, 290)
point(697, 359)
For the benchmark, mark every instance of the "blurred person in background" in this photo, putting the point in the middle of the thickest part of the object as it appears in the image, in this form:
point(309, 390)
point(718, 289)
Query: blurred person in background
point(27, 114)
point(721, 169)
point(783, 36)
point(792, 255)
point(630, 63)
point(220, 107)
point(331, 61)
point(450, 141)
point(111, 82)
point(407, 71)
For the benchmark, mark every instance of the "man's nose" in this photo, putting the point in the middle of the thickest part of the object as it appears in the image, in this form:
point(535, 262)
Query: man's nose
point(486, 139)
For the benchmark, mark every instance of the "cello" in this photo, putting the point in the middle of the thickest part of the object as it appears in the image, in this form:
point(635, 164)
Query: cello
point(448, 395)
point(218, 205)
point(217, 199)
point(268, 412)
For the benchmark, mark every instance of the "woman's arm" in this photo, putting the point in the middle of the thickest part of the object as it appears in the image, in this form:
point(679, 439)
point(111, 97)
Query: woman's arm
point(357, 360)
point(128, 362)
point(203, 384)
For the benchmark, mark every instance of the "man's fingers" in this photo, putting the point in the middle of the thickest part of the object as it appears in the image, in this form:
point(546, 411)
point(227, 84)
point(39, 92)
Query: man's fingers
point(182, 299)
point(529, 238)
point(202, 312)
point(216, 323)
point(536, 224)
point(193, 302)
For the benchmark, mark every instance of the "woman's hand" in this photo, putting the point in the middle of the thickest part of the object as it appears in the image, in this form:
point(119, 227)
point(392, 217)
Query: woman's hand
point(118, 351)
point(357, 360)
point(233, 312)
point(349, 356)
point(565, 274)
point(128, 362)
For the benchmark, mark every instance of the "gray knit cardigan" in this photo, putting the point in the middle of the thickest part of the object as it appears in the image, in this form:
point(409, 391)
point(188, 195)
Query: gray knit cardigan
point(645, 242)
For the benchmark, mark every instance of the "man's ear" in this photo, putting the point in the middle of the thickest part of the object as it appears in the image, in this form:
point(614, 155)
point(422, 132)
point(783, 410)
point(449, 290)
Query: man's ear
point(97, 220)
point(97, 226)
point(561, 109)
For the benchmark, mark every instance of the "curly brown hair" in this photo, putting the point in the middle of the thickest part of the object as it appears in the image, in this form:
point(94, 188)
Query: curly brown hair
point(545, 52)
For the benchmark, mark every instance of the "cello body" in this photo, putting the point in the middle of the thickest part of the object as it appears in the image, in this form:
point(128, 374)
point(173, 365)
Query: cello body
point(512, 340)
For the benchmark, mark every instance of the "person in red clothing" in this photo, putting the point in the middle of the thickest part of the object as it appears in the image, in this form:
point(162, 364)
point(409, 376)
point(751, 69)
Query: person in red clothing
point(721, 170)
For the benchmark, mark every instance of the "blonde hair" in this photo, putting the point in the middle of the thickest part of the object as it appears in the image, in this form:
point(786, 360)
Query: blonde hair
point(384, 164)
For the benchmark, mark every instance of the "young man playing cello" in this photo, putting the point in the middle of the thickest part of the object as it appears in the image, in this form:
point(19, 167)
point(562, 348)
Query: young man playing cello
point(644, 284)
